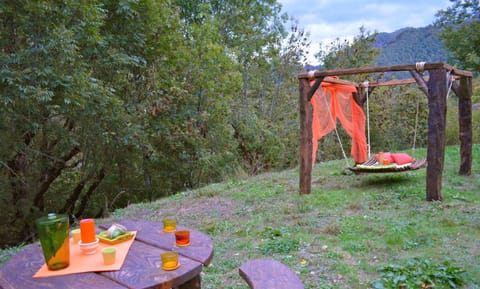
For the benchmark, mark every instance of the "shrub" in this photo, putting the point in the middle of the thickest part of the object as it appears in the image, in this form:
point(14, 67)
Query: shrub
point(419, 274)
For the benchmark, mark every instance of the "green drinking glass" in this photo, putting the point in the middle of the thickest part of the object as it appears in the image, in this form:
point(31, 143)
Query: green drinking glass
point(53, 231)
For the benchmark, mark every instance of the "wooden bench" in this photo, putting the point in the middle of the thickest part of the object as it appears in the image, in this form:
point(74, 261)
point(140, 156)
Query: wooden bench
point(269, 274)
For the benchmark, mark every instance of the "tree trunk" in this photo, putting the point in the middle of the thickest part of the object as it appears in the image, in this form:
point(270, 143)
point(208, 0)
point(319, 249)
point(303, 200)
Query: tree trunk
point(89, 193)
point(51, 174)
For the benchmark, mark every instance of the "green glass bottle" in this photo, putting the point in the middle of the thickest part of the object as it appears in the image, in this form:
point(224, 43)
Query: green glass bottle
point(53, 232)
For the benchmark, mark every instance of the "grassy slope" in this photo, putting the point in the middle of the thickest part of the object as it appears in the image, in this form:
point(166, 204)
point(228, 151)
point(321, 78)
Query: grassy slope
point(337, 236)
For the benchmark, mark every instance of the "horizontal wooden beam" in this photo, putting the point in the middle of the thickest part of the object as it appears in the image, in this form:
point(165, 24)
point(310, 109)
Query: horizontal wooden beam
point(380, 69)
point(394, 82)
point(339, 81)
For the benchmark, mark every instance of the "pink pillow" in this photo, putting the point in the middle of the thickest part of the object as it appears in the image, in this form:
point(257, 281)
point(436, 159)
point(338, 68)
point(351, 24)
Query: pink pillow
point(402, 158)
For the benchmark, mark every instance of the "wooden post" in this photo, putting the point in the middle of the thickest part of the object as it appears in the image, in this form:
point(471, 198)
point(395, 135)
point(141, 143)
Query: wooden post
point(465, 125)
point(437, 110)
point(306, 112)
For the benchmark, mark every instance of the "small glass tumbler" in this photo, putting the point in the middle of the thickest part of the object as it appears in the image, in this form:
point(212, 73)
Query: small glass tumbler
point(109, 255)
point(182, 238)
point(75, 236)
point(170, 261)
point(169, 225)
point(53, 231)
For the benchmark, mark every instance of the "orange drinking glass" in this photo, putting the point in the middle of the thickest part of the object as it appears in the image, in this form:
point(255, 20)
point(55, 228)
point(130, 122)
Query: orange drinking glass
point(170, 261)
point(182, 238)
point(87, 231)
point(169, 225)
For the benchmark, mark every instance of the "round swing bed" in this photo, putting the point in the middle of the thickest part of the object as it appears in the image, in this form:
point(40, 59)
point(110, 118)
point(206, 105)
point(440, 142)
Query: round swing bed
point(372, 166)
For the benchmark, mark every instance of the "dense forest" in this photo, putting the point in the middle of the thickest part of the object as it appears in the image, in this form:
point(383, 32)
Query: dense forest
point(106, 103)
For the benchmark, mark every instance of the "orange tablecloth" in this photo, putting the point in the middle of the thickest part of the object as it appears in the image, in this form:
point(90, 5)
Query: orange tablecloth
point(80, 262)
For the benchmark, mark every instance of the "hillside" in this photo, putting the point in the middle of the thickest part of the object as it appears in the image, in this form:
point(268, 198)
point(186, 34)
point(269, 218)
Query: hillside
point(406, 46)
point(340, 234)
point(411, 45)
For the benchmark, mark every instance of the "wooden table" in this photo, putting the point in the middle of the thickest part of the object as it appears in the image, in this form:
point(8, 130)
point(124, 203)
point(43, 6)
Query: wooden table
point(141, 269)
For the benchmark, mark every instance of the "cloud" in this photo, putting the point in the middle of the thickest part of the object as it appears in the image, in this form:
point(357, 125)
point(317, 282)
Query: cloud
point(327, 20)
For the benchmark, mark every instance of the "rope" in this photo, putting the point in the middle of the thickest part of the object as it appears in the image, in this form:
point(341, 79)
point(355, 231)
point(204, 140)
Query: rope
point(449, 79)
point(420, 66)
point(365, 84)
point(416, 124)
point(336, 131)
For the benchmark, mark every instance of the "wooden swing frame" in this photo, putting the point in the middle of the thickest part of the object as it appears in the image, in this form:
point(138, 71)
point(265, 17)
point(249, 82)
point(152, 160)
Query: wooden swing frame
point(435, 87)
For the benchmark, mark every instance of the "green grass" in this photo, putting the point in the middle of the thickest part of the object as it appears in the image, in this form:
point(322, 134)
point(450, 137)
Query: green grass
point(340, 235)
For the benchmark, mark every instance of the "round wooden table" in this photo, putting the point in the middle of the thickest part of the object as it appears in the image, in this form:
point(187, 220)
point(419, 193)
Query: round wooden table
point(141, 269)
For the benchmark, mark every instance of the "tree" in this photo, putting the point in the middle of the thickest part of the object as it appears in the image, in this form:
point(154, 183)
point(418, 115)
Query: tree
point(104, 103)
point(344, 53)
point(77, 83)
point(461, 32)
point(48, 94)
point(255, 85)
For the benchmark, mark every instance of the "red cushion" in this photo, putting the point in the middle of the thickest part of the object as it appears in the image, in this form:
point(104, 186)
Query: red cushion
point(402, 158)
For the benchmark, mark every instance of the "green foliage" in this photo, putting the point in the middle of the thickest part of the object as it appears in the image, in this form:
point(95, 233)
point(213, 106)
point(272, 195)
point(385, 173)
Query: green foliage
point(344, 54)
point(392, 106)
point(418, 273)
point(279, 246)
point(259, 147)
point(461, 21)
point(50, 97)
point(107, 103)
point(278, 241)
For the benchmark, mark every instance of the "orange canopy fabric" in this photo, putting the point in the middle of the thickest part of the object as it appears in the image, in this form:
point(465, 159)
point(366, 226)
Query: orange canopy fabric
point(332, 101)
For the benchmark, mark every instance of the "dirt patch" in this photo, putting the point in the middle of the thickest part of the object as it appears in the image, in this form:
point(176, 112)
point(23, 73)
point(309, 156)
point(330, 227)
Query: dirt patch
point(217, 205)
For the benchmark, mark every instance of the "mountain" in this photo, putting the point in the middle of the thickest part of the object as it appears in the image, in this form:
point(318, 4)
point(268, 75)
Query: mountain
point(410, 45)
point(407, 46)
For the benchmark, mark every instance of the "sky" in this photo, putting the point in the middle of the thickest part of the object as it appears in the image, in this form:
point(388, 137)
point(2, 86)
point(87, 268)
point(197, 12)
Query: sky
point(327, 20)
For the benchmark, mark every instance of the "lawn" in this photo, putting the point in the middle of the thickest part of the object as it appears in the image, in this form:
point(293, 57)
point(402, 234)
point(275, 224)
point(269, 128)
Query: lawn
point(341, 234)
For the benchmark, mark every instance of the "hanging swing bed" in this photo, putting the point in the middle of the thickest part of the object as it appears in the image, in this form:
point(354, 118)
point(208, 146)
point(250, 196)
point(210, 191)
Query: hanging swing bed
point(441, 77)
point(335, 99)
point(372, 165)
